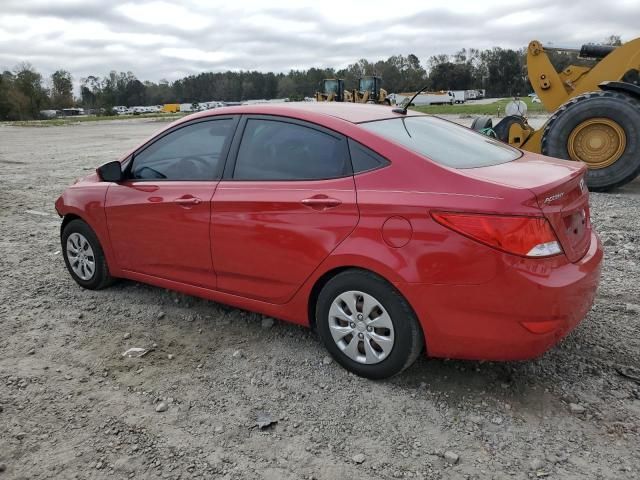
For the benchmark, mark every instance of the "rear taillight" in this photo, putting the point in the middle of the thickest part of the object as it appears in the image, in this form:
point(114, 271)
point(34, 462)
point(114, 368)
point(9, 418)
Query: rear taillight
point(525, 236)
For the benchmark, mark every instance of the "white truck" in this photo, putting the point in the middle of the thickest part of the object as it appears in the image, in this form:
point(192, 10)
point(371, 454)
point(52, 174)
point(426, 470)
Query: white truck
point(425, 98)
point(472, 94)
point(460, 96)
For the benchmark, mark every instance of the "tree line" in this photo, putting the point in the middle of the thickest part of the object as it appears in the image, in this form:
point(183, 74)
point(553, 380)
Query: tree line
point(500, 72)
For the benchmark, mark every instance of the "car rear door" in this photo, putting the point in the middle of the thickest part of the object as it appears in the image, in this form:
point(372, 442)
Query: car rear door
point(286, 201)
point(159, 218)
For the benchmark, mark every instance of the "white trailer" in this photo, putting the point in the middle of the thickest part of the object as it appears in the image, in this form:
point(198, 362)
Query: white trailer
point(426, 98)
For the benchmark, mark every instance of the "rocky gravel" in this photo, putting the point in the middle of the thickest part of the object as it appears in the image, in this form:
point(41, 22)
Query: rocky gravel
point(197, 404)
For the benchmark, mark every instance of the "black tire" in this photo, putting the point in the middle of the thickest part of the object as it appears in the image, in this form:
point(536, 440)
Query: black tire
point(101, 277)
point(502, 128)
point(482, 122)
point(408, 337)
point(622, 109)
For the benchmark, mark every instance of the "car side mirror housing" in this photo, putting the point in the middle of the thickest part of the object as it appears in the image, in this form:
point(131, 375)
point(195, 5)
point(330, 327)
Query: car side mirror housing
point(111, 172)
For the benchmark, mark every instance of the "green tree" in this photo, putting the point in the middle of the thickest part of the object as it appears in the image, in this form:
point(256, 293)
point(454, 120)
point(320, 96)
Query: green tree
point(28, 83)
point(614, 40)
point(6, 83)
point(506, 74)
point(89, 91)
point(451, 76)
point(61, 94)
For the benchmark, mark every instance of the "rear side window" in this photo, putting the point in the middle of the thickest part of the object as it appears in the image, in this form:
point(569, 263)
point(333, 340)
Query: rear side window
point(192, 152)
point(275, 150)
point(444, 142)
point(364, 159)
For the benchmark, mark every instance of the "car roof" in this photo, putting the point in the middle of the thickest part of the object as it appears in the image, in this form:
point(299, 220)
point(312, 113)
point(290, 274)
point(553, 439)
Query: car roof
point(350, 112)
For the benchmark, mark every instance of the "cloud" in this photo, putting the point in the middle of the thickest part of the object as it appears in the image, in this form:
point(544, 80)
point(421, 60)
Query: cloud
point(164, 14)
point(158, 39)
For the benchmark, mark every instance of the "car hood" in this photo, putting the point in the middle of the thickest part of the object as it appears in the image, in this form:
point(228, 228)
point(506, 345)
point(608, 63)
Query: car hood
point(91, 178)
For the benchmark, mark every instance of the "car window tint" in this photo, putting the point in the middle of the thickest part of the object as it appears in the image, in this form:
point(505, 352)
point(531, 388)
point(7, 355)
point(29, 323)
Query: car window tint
point(189, 153)
point(444, 142)
point(274, 150)
point(363, 159)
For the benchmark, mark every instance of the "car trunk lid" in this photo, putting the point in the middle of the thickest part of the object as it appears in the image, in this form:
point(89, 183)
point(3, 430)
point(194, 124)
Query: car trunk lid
point(560, 191)
point(566, 206)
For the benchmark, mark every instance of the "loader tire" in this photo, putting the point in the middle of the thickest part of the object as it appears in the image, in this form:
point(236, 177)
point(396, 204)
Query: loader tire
point(503, 126)
point(481, 123)
point(601, 129)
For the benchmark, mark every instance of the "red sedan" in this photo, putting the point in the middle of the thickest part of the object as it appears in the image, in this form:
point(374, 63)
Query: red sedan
point(389, 233)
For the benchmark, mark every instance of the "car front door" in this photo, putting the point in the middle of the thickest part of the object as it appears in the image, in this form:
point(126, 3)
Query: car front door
point(286, 201)
point(159, 217)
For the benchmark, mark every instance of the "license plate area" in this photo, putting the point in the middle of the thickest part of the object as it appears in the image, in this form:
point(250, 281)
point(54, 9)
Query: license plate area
point(577, 229)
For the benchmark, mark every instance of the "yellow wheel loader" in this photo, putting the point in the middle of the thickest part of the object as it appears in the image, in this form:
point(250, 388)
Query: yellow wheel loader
point(370, 91)
point(332, 90)
point(595, 112)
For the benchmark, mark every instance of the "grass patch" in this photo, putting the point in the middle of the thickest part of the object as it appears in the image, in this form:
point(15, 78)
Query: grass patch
point(494, 109)
point(56, 122)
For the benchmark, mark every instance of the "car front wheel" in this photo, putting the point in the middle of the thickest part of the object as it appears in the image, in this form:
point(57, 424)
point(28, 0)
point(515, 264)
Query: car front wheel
point(367, 326)
point(83, 256)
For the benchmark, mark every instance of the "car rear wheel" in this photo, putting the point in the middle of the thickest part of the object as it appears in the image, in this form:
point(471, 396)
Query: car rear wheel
point(84, 257)
point(367, 326)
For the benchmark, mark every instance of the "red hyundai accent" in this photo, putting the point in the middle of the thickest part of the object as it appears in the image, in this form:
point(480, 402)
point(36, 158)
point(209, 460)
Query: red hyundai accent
point(389, 233)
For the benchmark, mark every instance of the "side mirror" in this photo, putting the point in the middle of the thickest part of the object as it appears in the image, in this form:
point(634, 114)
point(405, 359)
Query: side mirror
point(111, 172)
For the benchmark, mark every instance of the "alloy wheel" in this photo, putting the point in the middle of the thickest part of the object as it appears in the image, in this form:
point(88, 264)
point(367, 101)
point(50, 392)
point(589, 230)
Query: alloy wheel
point(361, 327)
point(80, 256)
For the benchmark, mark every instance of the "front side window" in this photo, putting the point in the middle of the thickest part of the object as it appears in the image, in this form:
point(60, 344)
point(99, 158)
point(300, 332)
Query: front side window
point(275, 150)
point(444, 142)
point(189, 153)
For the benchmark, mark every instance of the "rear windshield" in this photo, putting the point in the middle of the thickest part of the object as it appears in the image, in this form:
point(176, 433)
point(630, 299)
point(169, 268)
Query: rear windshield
point(444, 142)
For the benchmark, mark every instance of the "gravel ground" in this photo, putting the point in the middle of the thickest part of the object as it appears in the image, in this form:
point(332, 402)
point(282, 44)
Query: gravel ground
point(72, 407)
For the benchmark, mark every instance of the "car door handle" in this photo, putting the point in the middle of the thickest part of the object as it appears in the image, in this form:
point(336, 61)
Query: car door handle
point(187, 201)
point(321, 202)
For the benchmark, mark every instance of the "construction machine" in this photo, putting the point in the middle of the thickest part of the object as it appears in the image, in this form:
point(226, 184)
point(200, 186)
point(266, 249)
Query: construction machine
point(370, 91)
point(595, 112)
point(332, 90)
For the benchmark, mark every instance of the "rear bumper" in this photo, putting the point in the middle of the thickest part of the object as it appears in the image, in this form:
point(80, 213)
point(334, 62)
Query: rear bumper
point(522, 312)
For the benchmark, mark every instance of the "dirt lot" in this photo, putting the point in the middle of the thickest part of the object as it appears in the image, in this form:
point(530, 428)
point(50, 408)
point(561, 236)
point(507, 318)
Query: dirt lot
point(72, 407)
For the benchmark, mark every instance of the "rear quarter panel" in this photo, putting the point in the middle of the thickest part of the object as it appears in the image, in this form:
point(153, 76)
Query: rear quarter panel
point(411, 187)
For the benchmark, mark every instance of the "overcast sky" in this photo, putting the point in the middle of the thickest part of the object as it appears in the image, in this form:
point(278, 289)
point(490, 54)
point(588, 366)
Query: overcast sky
point(167, 39)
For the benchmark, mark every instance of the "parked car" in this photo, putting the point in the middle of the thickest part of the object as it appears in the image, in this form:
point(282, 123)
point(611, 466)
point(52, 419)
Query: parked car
point(122, 110)
point(389, 233)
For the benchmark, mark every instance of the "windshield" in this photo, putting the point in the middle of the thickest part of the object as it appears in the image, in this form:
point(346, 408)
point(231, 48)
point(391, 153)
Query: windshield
point(331, 86)
point(444, 142)
point(367, 84)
